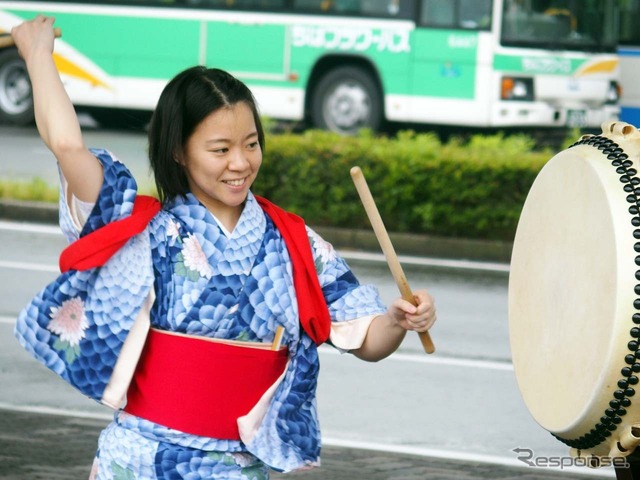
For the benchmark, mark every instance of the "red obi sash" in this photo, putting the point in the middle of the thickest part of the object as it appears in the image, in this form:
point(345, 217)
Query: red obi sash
point(200, 386)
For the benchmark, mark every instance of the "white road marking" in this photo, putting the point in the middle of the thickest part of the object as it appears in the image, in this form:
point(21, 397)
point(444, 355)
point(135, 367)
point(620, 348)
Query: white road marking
point(43, 410)
point(27, 227)
point(435, 360)
point(370, 257)
point(427, 261)
point(35, 267)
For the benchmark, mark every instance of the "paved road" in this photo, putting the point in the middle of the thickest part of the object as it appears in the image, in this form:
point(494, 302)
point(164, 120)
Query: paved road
point(461, 404)
point(53, 447)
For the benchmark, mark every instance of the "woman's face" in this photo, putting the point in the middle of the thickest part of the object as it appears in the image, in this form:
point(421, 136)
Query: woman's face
point(221, 160)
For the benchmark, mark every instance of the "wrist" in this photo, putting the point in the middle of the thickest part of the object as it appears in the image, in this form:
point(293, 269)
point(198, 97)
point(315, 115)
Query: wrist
point(393, 324)
point(37, 56)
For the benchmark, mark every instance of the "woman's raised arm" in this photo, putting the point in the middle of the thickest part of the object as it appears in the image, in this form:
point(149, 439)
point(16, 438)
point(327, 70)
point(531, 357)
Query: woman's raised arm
point(55, 116)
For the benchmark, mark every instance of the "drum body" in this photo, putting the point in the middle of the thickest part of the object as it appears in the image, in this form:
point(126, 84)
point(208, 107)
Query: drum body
point(574, 294)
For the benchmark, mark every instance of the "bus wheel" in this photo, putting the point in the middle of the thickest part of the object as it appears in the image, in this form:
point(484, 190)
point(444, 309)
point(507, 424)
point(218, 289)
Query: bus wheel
point(346, 100)
point(16, 96)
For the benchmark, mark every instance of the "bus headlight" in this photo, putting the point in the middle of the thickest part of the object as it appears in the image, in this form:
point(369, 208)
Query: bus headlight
point(614, 93)
point(517, 88)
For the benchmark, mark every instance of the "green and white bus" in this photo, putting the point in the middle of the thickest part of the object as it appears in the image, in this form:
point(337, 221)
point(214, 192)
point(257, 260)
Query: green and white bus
point(340, 64)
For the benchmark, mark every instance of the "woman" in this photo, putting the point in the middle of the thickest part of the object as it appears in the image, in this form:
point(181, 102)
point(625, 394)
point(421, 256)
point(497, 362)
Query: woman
point(236, 300)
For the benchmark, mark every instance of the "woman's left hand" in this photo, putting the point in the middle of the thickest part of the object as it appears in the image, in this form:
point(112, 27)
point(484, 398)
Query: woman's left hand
point(419, 318)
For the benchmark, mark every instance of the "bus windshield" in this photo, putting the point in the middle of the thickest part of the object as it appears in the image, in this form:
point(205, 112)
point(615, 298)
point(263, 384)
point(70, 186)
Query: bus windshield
point(587, 25)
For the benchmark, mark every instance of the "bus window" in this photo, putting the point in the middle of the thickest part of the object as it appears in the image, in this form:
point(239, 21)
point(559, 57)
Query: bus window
point(629, 31)
point(573, 24)
point(475, 14)
point(388, 8)
point(144, 3)
point(347, 6)
point(207, 3)
point(466, 14)
point(366, 8)
point(438, 13)
point(313, 5)
point(237, 4)
point(257, 4)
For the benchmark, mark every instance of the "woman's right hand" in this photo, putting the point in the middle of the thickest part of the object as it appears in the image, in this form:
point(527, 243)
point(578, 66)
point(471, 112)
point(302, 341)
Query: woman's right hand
point(33, 35)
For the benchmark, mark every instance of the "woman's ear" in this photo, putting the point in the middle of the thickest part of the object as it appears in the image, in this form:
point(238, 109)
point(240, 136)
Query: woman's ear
point(178, 157)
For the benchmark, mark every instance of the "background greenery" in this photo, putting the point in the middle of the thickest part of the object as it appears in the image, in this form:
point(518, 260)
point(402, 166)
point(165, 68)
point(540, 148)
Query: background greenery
point(472, 188)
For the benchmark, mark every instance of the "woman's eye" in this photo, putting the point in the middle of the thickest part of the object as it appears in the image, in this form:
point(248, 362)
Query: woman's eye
point(253, 145)
point(220, 150)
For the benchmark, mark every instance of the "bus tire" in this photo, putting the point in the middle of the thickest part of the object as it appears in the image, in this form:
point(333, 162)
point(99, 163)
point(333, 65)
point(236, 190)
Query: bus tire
point(16, 94)
point(346, 100)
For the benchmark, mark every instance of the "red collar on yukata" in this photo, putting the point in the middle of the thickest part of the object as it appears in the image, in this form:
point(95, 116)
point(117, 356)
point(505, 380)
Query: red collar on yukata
point(94, 249)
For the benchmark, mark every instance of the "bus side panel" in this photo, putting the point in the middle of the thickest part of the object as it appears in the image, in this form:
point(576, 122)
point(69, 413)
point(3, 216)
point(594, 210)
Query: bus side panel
point(133, 46)
point(446, 75)
point(387, 48)
point(251, 50)
point(444, 63)
point(257, 52)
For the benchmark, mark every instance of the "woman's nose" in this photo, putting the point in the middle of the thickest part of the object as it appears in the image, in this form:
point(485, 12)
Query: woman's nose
point(238, 160)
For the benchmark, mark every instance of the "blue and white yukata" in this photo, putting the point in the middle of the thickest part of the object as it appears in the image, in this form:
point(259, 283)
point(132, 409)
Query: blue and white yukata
point(184, 274)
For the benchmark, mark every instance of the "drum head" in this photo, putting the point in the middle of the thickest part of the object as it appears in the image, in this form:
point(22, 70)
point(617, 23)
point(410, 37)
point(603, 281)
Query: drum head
point(571, 291)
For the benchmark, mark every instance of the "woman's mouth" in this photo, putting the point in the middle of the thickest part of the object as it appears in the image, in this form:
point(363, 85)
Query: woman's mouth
point(235, 183)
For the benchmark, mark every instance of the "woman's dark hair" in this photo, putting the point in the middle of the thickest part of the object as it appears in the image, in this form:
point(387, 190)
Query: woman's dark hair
point(185, 102)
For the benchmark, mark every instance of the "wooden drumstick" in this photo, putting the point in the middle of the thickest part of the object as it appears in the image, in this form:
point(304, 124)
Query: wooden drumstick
point(7, 40)
point(387, 248)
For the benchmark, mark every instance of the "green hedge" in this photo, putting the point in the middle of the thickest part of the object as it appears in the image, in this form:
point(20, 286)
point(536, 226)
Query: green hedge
point(35, 190)
point(471, 189)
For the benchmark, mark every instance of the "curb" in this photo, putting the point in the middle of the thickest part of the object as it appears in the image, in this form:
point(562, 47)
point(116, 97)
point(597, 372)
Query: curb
point(420, 245)
point(404, 243)
point(23, 211)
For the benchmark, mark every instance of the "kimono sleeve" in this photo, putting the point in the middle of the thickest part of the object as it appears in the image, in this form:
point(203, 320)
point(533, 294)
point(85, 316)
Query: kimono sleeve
point(114, 202)
point(77, 325)
point(352, 306)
